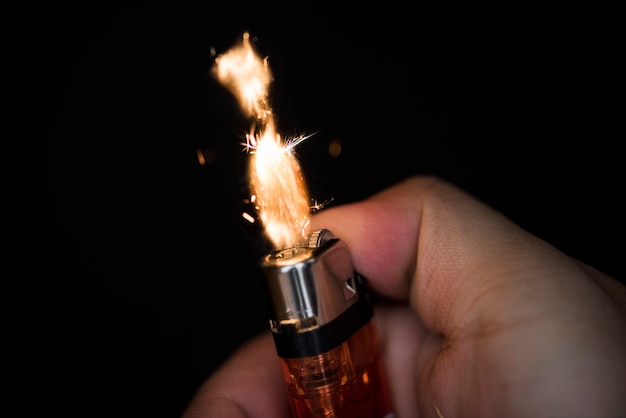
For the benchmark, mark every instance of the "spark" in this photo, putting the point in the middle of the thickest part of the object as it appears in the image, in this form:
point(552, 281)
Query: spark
point(248, 217)
point(250, 145)
point(317, 206)
point(274, 173)
point(294, 141)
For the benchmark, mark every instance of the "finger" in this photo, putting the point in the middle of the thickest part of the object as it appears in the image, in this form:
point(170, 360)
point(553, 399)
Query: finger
point(382, 233)
point(249, 384)
point(406, 350)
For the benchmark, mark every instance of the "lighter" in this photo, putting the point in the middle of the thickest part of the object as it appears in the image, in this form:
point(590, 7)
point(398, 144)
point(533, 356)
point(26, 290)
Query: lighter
point(320, 318)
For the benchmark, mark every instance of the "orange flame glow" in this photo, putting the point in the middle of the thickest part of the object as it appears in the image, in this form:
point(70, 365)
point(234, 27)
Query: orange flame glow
point(274, 174)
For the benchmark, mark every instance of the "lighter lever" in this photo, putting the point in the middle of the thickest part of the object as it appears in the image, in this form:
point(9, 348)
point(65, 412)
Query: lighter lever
point(320, 318)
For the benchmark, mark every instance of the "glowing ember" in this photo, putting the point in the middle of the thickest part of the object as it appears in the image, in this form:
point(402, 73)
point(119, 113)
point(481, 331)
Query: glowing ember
point(274, 173)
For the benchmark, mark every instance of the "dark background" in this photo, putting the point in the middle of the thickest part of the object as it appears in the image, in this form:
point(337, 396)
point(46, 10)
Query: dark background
point(131, 277)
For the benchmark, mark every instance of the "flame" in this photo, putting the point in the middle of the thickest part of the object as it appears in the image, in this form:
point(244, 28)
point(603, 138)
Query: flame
point(274, 174)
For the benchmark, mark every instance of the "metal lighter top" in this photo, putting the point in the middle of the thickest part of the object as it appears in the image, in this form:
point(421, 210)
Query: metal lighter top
point(317, 300)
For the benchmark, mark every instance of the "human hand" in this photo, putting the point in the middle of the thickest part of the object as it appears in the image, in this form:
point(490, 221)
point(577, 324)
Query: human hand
point(484, 318)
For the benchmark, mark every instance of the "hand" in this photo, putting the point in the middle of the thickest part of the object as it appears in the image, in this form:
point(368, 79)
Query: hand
point(487, 320)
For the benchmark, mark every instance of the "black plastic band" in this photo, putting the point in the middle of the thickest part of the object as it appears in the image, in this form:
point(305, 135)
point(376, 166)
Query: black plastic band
point(291, 344)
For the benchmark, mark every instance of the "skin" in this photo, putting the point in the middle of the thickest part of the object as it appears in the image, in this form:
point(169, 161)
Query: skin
point(481, 319)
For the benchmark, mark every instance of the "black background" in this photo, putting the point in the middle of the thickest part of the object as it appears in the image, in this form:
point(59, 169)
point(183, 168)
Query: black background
point(131, 277)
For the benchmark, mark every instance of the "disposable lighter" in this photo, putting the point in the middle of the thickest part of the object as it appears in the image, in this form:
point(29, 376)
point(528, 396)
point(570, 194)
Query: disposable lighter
point(320, 318)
